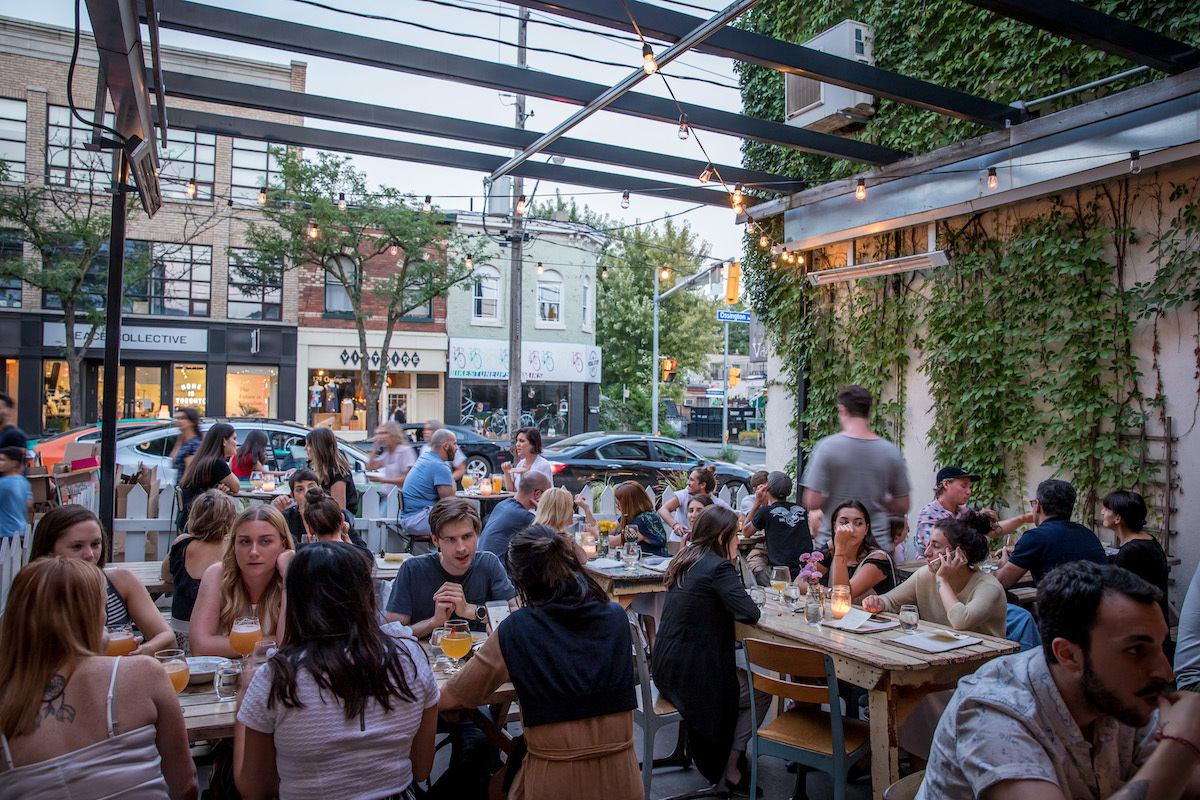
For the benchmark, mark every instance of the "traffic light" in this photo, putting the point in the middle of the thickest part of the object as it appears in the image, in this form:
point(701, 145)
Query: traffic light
point(733, 277)
point(668, 365)
point(734, 377)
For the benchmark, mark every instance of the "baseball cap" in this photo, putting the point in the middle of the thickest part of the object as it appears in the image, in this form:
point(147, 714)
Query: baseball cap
point(950, 473)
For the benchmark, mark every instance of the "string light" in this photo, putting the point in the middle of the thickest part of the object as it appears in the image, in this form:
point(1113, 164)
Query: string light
point(763, 242)
point(774, 265)
point(428, 203)
point(799, 258)
point(521, 206)
point(625, 199)
point(861, 191)
point(395, 248)
point(737, 193)
point(604, 273)
point(707, 174)
point(648, 62)
point(313, 232)
point(774, 248)
point(684, 130)
point(665, 274)
point(262, 196)
point(540, 268)
point(341, 201)
point(468, 262)
point(191, 187)
point(992, 182)
point(1135, 161)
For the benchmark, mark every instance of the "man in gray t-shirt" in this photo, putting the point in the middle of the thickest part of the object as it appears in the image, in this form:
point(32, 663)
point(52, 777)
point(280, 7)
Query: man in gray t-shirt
point(856, 464)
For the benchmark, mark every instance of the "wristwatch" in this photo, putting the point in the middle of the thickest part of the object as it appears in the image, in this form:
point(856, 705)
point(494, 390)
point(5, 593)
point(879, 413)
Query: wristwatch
point(480, 613)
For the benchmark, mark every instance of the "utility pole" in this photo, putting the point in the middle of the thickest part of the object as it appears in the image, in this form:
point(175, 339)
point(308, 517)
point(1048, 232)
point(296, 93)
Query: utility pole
point(516, 242)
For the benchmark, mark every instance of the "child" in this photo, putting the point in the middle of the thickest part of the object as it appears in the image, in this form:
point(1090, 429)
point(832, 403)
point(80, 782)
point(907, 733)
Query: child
point(786, 527)
point(16, 497)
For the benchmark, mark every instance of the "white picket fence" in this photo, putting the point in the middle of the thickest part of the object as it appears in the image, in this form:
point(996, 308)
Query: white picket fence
point(14, 554)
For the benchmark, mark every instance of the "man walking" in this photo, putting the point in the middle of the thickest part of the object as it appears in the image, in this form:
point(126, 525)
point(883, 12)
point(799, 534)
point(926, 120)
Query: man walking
point(10, 434)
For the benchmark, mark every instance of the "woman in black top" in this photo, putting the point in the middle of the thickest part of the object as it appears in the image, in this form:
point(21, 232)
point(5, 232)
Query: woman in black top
point(209, 523)
point(694, 660)
point(853, 558)
point(1124, 513)
point(333, 471)
point(209, 469)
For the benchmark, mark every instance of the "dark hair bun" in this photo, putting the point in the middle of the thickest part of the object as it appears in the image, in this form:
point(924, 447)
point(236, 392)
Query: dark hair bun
point(314, 495)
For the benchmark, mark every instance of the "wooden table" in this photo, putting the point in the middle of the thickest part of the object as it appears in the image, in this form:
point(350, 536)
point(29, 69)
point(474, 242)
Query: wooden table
point(896, 677)
point(622, 584)
point(150, 573)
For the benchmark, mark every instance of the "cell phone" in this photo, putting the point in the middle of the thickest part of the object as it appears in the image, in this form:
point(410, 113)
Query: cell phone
point(497, 612)
point(935, 563)
point(878, 618)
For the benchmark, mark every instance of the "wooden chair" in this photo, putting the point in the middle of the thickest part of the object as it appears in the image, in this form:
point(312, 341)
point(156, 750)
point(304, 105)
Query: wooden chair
point(653, 711)
point(905, 788)
point(817, 739)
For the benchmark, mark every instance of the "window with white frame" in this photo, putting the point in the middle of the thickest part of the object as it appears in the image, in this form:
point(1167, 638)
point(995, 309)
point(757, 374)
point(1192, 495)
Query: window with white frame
point(253, 169)
point(485, 304)
point(549, 298)
point(337, 299)
point(68, 163)
point(586, 312)
point(12, 138)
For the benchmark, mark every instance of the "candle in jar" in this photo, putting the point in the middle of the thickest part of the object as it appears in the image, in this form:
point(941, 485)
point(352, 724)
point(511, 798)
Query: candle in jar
point(268, 486)
point(839, 603)
point(485, 487)
point(589, 549)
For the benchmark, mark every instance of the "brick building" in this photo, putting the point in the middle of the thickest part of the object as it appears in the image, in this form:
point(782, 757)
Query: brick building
point(195, 332)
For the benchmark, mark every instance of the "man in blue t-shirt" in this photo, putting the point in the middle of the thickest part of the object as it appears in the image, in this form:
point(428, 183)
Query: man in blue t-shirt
point(513, 514)
point(1056, 539)
point(16, 497)
point(456, 581)
point(429, 481)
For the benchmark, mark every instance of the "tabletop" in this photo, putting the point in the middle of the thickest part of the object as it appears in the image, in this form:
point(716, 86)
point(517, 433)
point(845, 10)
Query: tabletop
point(494, 497)
point(622, 583)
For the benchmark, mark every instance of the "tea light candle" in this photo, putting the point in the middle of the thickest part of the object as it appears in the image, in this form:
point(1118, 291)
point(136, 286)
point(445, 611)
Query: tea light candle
point(268, 486)
point(589, 549)
point(840, 601)
point(485, 487)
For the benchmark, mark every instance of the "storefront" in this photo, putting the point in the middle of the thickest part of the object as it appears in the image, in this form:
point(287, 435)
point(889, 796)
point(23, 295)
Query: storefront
point(330, 361)
point(220, 369)
point(560, 386)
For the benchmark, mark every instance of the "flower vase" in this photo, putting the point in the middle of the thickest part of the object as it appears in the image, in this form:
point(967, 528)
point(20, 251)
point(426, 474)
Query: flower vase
point(814, 604)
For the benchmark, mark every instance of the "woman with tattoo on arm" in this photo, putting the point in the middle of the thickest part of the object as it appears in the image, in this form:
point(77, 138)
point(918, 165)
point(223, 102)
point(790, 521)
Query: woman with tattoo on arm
point(72, 723)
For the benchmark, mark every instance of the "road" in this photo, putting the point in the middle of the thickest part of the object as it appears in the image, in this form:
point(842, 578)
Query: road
point(753, 458)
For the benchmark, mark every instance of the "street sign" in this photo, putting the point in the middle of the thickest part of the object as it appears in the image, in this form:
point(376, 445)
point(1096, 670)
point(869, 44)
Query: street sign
point(714, 393)
point(733, 316)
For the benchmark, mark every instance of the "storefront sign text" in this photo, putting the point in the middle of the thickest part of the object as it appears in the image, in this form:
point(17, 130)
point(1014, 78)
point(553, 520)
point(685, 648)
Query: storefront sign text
point(135, 337)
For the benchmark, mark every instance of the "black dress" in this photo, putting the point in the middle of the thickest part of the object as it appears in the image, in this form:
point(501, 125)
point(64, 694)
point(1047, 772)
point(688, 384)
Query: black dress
point(218, 471)
point(693, 659)
point(1146, 559)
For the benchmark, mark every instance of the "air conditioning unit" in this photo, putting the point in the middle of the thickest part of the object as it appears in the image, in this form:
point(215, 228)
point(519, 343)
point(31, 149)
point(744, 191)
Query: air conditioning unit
point(689, 401)
point(824, 107)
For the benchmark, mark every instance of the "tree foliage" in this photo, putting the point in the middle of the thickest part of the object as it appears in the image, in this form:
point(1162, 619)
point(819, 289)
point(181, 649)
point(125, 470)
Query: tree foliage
point(306, 226)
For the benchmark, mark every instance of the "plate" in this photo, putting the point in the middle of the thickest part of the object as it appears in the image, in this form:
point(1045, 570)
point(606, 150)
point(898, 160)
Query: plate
point(202, 668)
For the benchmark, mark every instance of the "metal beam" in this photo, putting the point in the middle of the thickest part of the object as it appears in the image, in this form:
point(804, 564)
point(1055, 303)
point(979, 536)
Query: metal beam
point(300, 136)
point(1100, 31)
point(245, 95)
point(755, 48)
point(292, 37)
point(610, 96)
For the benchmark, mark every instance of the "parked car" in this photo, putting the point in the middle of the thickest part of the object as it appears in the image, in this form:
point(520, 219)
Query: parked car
point(51, 449)
point(616, 457)
point(485, 456)
point(285, 445)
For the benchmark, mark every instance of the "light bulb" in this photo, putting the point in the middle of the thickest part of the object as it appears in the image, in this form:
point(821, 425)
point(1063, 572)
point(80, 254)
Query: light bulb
point(738, 208)
point(469, 265)
point(1135, 161)
point(737, 193)
point(312, 230)
point(191, 187)
point(540, 268)
point(666, 273)
point(684, 130)
point(648, 62)
point(763, 241)
point(992, 182)
point(861, 191)
point(704, 176)
point(799, 258)
point(428, 203)
point(774, 248)
point(341, 201)
point(262, 196)
point(774, 265)
point(394, 249)
point(521, 206)
point(604, 273)
point(625, 199)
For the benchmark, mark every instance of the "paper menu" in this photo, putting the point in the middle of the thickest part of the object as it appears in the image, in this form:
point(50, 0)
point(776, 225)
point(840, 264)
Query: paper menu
point(936, 641)
point(853, 620)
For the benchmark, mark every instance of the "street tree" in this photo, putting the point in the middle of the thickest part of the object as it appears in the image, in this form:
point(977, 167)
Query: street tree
point(308, 225)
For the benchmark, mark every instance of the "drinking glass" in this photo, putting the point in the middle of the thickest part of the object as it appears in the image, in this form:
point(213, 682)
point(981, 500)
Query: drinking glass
point(758, 595)
point(497, 484)
point(263, 650)
point(467, 483)
point(245, 634)
point(792, 593)
point(440, 662)
point(256, 479)
point(225, 680)
point(176, 666)
point(456, 643)
point(839, 604)
point(909, 618)
point(631, 553)
point(780, 578)
point(120, 640)
point(813, 609)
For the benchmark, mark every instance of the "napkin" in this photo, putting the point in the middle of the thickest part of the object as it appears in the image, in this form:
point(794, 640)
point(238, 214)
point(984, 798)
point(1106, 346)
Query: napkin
point(605, 563)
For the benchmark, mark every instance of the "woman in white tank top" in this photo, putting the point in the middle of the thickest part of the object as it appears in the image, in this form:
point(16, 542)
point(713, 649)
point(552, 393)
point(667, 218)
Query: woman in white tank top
point(73, 724)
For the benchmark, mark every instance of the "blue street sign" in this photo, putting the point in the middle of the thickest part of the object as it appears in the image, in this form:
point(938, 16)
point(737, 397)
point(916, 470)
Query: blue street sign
point(733, 316)
point(714, 393)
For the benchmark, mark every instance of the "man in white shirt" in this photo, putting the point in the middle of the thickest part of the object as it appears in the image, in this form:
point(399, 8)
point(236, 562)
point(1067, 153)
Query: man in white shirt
point(1084, 717)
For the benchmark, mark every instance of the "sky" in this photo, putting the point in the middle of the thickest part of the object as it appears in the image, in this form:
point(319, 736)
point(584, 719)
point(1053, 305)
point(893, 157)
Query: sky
point(454, 189)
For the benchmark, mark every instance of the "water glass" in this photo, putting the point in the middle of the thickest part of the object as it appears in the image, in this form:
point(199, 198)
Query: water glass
point(792, 595)
point(909, 618)
point(631, 553)
point(813, 609)
point(759, 595)
point(263, 650)
point(440, 661)
point(225, 680)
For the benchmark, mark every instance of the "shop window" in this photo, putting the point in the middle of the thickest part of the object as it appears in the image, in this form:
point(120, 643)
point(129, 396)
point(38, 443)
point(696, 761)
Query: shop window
point(179, 283)
point(56, 396)
point(11, 370)
point(549, 300)
point(252, 391)
point(11, 249)
point(12, 139)
point(189, 157)
point(254, 293)
point(485, 407)
point(253, 168)
point(429, 380)
point(485, 305)
point(68, 163)
point(337, 299)
point(191, 387)
point(339, 403)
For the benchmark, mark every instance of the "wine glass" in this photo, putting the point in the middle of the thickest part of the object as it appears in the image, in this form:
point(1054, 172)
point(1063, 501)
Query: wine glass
point(631, 553)
point(256, 479)
point(467, 483)
point(246, 632)
point(456, 643)
point(780, 578)
point(120, 640)
point(176, 666)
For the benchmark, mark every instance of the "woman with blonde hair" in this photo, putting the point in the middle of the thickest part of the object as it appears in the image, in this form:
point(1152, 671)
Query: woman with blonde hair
point(194, 552)
point(556, 509)
point(72, 723)
point(247, 582)
point(393, 454)
point(333, 471)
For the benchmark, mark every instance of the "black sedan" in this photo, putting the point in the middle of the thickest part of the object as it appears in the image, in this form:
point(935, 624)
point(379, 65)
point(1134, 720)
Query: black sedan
point(620, 457)
point(484, 456)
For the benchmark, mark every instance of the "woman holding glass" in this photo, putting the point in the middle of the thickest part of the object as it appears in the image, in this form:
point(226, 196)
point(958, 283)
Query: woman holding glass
point(72, 531)
point(344, 706)
point(640, 524)
point(694, 661)
point(241, 598)
point(528, 448)
point(576, 708)
point(853, 558)
point(74, 723)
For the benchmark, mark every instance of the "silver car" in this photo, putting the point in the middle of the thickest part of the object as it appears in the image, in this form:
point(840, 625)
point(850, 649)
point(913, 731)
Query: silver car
point(285, 445)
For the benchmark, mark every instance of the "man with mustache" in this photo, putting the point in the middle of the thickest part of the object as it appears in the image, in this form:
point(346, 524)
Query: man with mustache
point(1086, 716)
